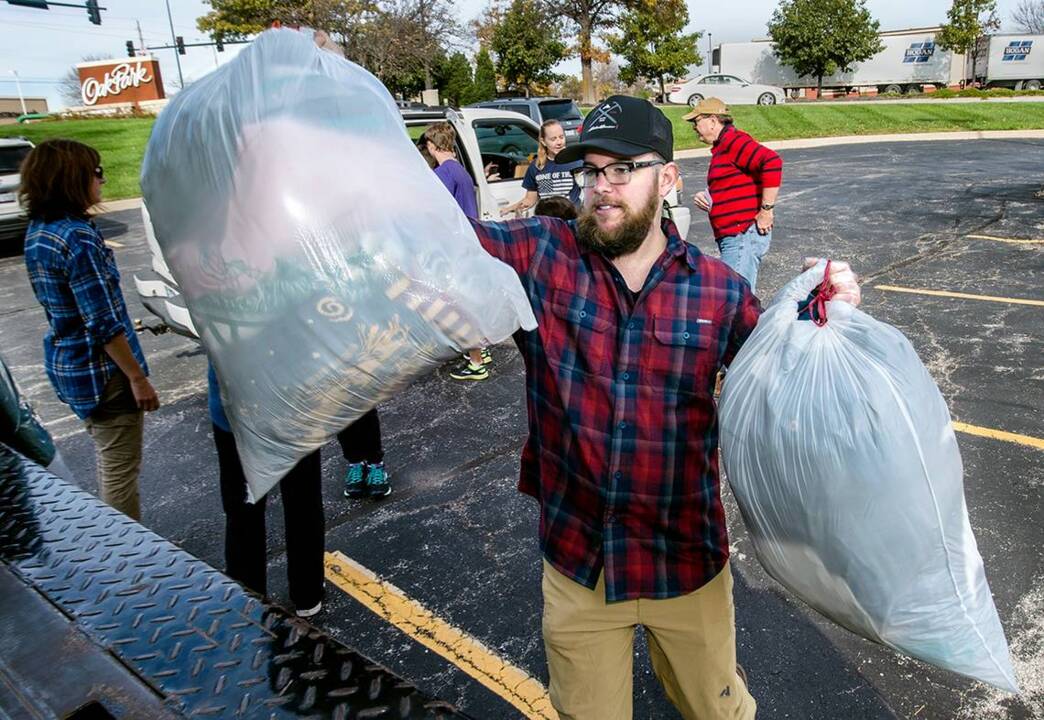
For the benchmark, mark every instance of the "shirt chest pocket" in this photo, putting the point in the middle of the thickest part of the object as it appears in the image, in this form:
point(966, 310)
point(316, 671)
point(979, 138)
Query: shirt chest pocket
point(682, 355)
point(579, 339)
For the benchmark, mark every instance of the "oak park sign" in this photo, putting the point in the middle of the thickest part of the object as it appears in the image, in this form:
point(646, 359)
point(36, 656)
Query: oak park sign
point(104, 82)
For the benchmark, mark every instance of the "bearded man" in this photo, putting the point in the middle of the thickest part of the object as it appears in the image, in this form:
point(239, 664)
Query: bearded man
point(622, 453)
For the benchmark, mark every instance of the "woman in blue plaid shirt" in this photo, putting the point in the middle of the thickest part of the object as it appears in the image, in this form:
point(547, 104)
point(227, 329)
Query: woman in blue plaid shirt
point(91, 354)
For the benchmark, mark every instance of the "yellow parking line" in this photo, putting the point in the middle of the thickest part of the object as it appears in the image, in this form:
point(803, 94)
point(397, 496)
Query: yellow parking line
point(508, 681)
point(1033, 442)
point(1016, 241)
point(963, 296)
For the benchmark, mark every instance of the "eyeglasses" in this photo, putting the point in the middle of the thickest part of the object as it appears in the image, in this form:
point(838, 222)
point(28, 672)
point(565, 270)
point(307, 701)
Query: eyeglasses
point(99, 172)
point(617, 173)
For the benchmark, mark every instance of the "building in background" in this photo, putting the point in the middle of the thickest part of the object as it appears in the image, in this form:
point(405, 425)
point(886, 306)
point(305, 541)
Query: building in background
point(11, 107)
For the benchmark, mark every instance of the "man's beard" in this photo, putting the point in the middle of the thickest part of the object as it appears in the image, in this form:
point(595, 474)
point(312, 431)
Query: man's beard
point(627, 237)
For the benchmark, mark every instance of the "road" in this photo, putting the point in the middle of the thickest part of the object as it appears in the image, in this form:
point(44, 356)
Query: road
point(457, 537)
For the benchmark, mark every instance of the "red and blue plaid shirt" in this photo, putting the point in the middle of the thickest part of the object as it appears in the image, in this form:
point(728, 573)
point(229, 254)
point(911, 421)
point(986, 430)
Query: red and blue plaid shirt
point(74, 278)
point(623, 434)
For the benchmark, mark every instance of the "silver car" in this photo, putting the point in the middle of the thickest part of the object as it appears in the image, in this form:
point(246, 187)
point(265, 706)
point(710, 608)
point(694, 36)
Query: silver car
point(13, 218)
point(729, 88)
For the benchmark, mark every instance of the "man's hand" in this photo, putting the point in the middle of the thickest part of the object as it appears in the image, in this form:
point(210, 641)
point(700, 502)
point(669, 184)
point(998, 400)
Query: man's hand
point(844, 282)
point(702, 201)
point(763, 220)
point(145, 394)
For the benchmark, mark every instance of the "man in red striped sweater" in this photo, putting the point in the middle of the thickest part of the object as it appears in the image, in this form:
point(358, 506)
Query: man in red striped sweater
point(742, 184)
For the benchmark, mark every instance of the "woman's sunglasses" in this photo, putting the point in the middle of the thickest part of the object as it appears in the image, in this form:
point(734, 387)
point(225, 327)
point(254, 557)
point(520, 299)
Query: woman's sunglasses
point(99, 172)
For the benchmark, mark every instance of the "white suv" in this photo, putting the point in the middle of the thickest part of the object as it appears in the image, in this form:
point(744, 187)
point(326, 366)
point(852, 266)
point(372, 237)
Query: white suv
point(498, 142)
point(13, 218)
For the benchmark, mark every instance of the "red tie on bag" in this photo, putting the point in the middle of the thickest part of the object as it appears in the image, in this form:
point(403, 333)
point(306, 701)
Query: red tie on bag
point(815, 305)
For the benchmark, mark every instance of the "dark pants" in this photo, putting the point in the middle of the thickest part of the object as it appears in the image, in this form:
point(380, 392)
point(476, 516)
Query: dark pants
point(361, 441)
point(245, 537)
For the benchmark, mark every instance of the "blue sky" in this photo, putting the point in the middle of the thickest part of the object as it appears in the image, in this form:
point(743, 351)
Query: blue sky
point(42, 45)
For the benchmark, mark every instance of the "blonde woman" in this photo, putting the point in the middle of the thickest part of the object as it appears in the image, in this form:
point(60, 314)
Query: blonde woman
point(545, 177)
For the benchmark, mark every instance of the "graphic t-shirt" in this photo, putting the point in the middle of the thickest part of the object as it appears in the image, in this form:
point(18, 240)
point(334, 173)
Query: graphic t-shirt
point(554, 179)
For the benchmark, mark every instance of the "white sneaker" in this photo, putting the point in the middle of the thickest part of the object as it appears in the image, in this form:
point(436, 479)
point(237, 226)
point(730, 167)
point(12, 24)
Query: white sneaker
point(309, 612)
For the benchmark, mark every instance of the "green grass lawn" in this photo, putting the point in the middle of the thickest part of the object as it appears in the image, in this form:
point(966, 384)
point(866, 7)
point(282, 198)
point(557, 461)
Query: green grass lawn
point(121, 142)
point(785, 122)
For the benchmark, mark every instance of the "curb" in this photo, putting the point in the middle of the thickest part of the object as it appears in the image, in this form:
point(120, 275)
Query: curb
point(803, 143)
point(110, 206)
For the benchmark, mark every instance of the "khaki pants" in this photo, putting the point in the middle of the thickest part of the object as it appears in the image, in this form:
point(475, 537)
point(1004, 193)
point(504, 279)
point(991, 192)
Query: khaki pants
point(692, 642)
point(116, 429)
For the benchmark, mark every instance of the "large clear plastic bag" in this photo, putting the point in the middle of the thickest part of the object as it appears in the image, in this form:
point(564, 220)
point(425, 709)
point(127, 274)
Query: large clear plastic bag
point(323, 264)
point(839, 449)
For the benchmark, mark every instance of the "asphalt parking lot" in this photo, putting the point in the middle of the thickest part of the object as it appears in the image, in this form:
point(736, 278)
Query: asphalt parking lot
point(457, 538)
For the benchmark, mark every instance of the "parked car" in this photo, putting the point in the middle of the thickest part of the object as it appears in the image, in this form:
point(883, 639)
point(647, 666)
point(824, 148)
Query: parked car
point(494, 146)
point(539, 109)
point(733, 90)
point(13, 218)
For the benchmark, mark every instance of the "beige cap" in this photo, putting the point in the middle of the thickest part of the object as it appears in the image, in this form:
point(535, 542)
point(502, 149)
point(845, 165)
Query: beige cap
point(708, 106)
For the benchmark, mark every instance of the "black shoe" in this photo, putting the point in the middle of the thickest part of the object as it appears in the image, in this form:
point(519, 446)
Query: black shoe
point(467, 371)
point(355, 481)
point(377, 485)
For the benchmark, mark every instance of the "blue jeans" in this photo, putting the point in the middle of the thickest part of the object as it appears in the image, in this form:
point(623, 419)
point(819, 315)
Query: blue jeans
point(743, 252)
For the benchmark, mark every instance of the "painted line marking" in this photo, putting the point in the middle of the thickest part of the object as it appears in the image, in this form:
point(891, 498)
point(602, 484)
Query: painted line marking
point(508, 681)
point(999, 435)
point(114, 244)
point(1016, 241)
point(963, 296)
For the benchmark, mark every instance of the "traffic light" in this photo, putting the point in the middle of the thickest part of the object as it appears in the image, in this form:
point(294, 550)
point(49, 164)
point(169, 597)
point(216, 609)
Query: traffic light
point(38, 4)
point(130, 48)
point(219, 43)
point(93, 13)
point(179, 42)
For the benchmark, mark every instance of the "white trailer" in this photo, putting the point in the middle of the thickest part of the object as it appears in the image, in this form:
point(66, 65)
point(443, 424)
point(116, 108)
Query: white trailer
point(1013, 61)
point(909, 61)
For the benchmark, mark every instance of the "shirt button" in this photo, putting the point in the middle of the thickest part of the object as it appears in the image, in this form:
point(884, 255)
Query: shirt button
point(626, 376)
point(685, 335)
point(610, 517)
point(630, 325)
point(622, 424)
point(583, 313)
point(617, 474)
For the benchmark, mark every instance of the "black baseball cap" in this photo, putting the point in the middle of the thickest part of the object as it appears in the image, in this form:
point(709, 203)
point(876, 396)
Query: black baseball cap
point(624, 126)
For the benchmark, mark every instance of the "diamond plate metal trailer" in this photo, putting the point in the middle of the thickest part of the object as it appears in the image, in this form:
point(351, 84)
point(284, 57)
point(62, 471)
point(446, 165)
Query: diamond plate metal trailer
point(103, 618)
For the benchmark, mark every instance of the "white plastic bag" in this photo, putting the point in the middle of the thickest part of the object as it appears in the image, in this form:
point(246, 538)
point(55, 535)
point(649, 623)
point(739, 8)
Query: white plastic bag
point(323, 263)
point(839, 450)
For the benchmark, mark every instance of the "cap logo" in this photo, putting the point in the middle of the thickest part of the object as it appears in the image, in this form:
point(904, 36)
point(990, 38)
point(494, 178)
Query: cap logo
point(602, 117)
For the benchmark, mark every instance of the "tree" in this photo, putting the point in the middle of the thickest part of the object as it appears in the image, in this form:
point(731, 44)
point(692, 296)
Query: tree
point(1028, 15)
point(240, 18)
point(457, 87)
point(589, 17)
point(820, 37)
point(483, 27)
point(527, 45)
point(485, 86)
point(967, 21)
point(652, 43)
point(396, 40)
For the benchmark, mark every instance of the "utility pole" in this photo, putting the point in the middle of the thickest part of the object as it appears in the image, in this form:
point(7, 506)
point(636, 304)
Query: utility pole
point(174, 40)
point(141, 38)
point(18, 84)
point(710, 54)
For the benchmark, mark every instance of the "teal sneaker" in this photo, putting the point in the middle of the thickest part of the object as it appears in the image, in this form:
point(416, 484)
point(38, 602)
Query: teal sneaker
point(377, 485)
point(355, 481)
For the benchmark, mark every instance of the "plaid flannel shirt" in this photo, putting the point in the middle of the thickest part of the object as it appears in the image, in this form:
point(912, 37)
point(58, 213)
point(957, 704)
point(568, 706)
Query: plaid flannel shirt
point(622, 451)
point(74, 277)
